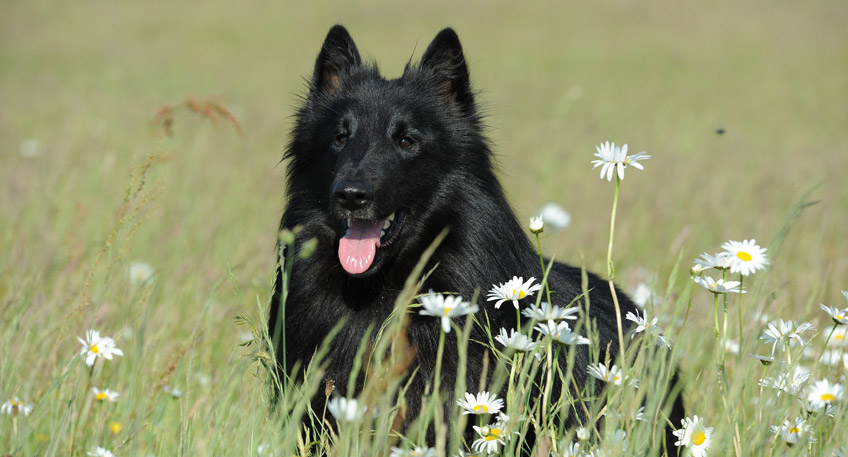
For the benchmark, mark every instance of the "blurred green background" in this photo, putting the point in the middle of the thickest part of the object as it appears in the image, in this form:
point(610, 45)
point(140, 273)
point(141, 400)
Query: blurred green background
point(84, 79)
point(80, 83)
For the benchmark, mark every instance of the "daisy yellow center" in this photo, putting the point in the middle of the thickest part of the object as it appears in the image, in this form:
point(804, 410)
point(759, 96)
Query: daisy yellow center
point(94, 349)
point(616, 378)
point(839, 337)
point(794, 430)
point(698, 438)
point(481, 408)
point(494, 434)
point(101, 396)
point(115, 428)
point(447, 310)
point(518, 292)
point(828, 397)
point(744, 256)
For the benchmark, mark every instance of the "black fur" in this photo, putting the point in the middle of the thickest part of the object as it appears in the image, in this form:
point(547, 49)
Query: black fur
point(350, 128)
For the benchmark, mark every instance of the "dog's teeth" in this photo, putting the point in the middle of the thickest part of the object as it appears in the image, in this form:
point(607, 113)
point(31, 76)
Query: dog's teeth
point(387, 224)
point(391, 217)
point(349, 221)
point(382, 233)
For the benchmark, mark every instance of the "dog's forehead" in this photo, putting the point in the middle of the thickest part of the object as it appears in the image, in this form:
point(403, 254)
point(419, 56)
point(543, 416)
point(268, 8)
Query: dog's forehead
point(380, 98)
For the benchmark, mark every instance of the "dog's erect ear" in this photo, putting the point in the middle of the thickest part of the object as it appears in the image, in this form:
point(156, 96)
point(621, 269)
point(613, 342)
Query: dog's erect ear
point(337, 57)
point(444, 58)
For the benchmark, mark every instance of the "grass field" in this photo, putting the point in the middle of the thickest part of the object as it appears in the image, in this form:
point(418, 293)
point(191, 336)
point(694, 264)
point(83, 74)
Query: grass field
point(88, 185)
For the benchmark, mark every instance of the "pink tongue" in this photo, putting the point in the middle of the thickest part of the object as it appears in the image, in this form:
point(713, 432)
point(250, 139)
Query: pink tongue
point(359, 244)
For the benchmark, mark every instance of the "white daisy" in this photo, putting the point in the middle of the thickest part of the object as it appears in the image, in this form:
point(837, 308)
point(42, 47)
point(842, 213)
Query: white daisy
point(482, 403)
point(105, 395)
point(611, 375)
point(614, 443)
point(561, 333)
point(791, 381)
point(779, 332)
point(731, 346)
point(445, 307)
point(537, 225)
point(791, 432)
point(839, 316)
point(569, 450)
point(649, 327)
point(720, 261)
point(612, 159)
point(834, 357)
point(263, 450)
point(823, 394)
point(583, 433)
point(515, 340)
point(694, 435)
point(718, 287)
point(15, 406)
point(637, 415)
point(417, 452)
point(94, 346)
point(764, 359)
point(845, 294)
point(175, 392)
point(643, 294)
point(839, 337)
point(346, 409)
point(515, 289)
point(140, 273)
point(491, 438)
point(554, 216)
point(101, 452)
point(747, 256)
point(547, 312)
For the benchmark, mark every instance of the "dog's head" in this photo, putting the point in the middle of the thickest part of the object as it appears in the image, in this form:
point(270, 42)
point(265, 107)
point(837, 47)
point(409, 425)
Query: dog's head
point(375, 157)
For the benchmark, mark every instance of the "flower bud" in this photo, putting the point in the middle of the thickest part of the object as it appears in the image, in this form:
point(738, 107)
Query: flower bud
point(537, 225)
point(696, 270)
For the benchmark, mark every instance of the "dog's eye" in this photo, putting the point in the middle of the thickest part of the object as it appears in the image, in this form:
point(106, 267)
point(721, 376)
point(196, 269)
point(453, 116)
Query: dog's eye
point(341, 138)
point(406, 142)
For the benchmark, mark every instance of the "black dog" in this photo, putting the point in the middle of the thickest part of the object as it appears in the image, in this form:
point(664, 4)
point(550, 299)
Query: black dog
point(377, 169)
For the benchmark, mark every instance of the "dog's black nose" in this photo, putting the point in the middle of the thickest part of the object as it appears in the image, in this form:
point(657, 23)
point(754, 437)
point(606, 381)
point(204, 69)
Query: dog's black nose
point(352, 195)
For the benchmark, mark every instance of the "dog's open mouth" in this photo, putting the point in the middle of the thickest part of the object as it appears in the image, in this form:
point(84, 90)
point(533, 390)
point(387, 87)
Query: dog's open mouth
point(362, 237)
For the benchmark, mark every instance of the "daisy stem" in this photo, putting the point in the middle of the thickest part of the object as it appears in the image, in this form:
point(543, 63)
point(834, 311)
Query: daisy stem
point(441, 436)
point(788, 354)
point(611, 274)
point(518, 318)
point(438, 381)
point(724, 327)
point(824, 346)
point(542, 261)
point(715, 313)
point(760, 413)
point(510, 386)
point(741, 337)
point(510, 392)
point(724, 338)
point(79, 416)
point(548, 381)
